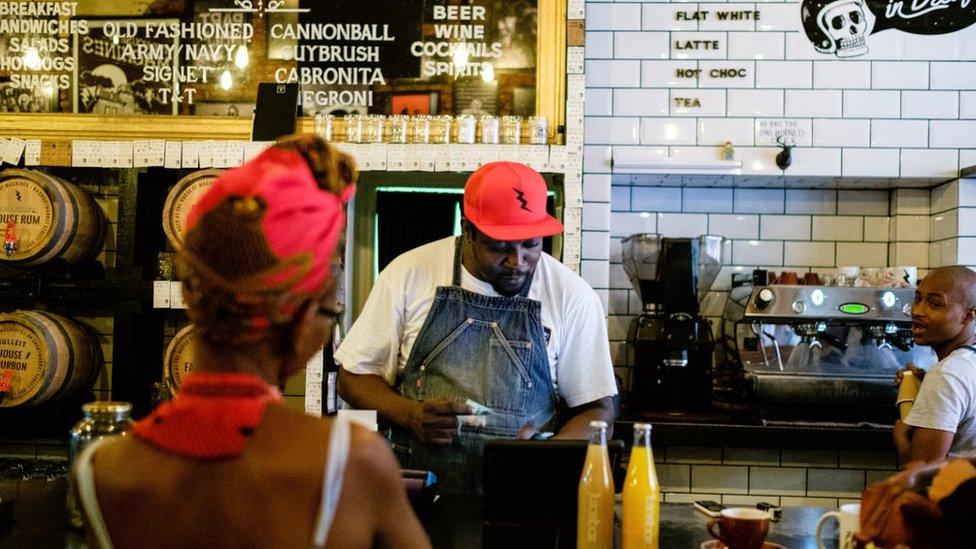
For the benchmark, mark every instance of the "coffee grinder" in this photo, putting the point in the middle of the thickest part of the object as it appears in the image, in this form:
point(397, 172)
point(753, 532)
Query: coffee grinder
point(669, 345)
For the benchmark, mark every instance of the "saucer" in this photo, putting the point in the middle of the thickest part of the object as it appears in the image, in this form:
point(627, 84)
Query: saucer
point(716, 544)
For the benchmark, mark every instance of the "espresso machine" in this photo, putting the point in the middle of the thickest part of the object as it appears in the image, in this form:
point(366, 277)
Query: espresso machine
point(670, 346)
point(827, 353)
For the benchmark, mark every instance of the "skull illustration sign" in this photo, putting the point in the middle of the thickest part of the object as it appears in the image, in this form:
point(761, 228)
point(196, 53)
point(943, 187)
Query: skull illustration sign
point(838, 26)
point(841, 27)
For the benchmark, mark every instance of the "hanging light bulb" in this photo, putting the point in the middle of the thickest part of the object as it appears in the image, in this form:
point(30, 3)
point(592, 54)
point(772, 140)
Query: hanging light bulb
point(32, 59)
point(225, 80)
point(487, 73)
point(242, 58)
point(460, 55)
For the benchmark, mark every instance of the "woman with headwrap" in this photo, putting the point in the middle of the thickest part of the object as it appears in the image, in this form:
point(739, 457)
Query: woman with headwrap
point(225, 464)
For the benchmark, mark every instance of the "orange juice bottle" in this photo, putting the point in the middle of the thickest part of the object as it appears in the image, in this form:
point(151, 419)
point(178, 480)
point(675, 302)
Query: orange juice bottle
point(594, 528)
point(642, 494)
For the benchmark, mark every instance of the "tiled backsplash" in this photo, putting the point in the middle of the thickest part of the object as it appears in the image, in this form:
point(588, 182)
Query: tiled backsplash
point(905, 108)
point(784, 229)
point(746, 476)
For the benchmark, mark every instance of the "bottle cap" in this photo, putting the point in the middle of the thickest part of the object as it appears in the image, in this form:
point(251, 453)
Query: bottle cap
point(106, 407)
point(598, 425)
point(642, 426)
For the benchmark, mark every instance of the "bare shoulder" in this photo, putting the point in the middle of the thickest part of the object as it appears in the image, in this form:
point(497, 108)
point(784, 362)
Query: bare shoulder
point(125, 463)
point(120, 450)
point(292, 430)
point(370, 455)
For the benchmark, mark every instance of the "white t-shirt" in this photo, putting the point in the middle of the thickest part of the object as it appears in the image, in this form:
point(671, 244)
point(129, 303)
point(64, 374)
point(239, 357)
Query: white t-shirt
point(947, 401)
point(579, 351)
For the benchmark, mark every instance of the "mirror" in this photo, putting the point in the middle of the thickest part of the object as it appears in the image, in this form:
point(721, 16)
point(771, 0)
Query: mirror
point(206, 57)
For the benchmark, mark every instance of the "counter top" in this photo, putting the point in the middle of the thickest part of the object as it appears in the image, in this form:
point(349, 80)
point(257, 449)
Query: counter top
point(452, 522)
point(455, 522)
point(801, 436)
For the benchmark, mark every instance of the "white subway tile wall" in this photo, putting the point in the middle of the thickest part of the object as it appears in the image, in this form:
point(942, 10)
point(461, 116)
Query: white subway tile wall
point(680, 87)
point(841, 133)
point(908, 93)
point(795, 229)
point(900, 133)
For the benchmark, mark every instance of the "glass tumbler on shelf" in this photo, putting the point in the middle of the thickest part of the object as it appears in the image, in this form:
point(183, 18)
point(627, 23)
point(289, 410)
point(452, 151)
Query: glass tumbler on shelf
point(420, 128)
point(399, 125)
point(353, 128)
point(373, 128)
point(511, 130)
point(466, 126)
point(440, 131)
point(489, 130)
point(101, 419)
point(538, 130)
point(323, 125)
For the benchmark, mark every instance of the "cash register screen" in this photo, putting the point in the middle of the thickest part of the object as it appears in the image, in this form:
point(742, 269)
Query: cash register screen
point(536, 481)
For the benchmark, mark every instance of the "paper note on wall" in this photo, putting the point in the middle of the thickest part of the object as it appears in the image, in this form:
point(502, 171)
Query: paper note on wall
point(32, 152)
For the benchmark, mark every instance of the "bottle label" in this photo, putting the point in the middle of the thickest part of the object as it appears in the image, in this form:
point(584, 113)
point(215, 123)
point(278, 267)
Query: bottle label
point(650, 524)
point(592, 517)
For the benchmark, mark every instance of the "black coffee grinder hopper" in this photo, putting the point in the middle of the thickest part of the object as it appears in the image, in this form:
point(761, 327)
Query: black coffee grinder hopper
point(670, 345)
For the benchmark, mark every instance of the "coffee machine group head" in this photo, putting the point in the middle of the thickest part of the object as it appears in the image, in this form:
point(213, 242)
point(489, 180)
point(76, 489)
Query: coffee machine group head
point(670, 344)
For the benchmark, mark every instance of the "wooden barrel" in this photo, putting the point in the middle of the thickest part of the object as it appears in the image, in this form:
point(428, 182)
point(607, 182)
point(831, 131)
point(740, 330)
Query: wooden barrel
point(51, 357)
point(52, 219)
point(181, 200)
point(178, 360)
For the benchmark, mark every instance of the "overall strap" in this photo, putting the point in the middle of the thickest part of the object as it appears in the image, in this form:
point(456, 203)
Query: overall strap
point(85, 474)
point(335, 469)
point(456, 277)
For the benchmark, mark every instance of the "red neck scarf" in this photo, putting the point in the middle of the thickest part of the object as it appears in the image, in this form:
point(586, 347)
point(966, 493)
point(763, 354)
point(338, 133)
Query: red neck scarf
point(212, 415)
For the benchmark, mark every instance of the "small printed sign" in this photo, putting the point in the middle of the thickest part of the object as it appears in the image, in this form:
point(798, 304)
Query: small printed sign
point(789, 131)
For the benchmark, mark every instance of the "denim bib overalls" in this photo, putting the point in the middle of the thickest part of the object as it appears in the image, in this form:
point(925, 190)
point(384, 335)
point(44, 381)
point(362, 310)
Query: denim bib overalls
point(489, 349)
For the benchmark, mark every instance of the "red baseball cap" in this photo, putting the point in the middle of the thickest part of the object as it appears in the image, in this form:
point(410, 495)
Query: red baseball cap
point(507, 201)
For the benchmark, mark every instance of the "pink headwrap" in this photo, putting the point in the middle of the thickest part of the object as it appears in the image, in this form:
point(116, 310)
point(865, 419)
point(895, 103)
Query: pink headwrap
point(302, 222)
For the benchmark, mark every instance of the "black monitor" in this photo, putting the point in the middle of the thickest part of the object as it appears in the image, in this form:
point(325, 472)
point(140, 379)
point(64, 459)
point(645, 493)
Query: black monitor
point(274, 112)
point(536, 482)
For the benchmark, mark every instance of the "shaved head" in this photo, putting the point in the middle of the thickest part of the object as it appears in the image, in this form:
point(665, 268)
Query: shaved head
point(956, 281)
point(944, 310)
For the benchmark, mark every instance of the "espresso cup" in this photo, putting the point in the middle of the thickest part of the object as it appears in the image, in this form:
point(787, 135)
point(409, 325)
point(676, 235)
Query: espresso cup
point(874, 275)
point(811, 279)
point(740, 527)
point(907, 274)
point(788, 277)
point(849, 519)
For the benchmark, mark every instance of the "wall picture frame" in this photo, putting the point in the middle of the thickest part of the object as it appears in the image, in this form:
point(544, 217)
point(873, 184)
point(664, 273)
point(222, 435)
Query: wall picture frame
point(111, 78)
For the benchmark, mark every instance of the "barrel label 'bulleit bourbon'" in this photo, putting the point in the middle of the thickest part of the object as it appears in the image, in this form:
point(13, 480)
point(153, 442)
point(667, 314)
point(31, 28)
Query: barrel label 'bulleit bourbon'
point(23, 353)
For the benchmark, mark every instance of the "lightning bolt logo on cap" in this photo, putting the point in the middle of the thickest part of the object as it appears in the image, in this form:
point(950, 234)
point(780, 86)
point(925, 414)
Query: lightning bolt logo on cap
point(520, 196)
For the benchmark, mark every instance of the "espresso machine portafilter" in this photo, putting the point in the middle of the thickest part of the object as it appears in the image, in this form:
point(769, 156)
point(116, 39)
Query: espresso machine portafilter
point(670, 344)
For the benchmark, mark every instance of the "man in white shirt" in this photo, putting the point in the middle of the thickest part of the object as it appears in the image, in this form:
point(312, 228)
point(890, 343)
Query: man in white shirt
point(489, 318)
point(943, 418)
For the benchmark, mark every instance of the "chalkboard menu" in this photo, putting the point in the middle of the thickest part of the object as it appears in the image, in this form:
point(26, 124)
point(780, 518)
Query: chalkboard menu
point(207, 57)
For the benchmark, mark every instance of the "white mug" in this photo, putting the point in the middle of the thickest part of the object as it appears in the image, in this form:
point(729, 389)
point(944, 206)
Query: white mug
point(849, 519)
point(908, 274)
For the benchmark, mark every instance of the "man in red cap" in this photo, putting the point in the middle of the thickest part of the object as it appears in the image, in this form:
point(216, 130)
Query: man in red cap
point(481, 336)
